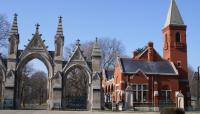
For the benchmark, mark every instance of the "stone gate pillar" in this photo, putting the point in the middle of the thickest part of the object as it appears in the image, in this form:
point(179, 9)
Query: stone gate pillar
point(13, 40)
point(129, 97)
point(179, 100)
point(56, 87)
point(96, 92)
point(9, 90)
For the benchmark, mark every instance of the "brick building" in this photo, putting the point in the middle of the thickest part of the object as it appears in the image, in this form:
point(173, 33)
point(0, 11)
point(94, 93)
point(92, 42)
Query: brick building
point(149, 80)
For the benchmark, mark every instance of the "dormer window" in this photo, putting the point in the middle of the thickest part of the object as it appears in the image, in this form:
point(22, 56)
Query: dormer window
point(178, 37)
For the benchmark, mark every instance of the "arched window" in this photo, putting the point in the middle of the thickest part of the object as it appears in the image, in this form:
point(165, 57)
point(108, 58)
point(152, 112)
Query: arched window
point(178, 37)
point(165, 41)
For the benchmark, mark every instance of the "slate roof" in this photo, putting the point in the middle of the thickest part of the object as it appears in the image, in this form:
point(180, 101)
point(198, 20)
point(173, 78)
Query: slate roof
point(148, 67)
point(173, 16)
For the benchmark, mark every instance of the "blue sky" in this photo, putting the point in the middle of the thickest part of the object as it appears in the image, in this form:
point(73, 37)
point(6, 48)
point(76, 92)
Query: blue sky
point(133, 22)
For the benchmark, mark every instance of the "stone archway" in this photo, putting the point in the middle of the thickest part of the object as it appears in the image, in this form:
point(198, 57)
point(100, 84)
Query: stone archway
point(76, 92)
point(53, 60)
point(18, 80)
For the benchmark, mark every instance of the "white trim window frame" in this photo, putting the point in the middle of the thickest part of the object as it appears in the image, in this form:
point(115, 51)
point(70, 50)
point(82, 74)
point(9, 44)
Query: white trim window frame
point(138, 93)
point(167, 98)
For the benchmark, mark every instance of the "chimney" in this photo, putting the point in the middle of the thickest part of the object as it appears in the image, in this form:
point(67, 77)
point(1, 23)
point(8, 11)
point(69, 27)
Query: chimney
point(150, 51)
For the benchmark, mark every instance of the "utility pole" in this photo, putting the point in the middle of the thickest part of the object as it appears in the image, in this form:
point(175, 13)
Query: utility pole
point(198, 84)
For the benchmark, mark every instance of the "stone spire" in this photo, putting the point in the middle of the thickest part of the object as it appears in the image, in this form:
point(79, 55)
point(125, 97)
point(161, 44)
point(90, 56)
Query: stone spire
point(60, 28)
point(14, 28)
point(173, 16)
point(96, 51)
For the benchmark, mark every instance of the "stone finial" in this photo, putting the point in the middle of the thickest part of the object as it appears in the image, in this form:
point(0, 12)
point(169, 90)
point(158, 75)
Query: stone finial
point(78, 42)
point(96, 39)
point(96, 51)
point(37, 28)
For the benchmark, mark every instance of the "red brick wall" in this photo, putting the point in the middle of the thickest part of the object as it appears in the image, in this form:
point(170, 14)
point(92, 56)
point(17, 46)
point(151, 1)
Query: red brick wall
point(174, 54)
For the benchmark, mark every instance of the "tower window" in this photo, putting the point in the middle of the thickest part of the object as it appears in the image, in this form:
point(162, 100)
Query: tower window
point(178, 37)
point(166, 42)
point(165, 38)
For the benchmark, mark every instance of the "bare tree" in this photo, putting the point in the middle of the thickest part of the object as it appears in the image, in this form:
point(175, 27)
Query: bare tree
point(34, 86)
point(192, 81)
point(26, 72)
point(4, 30)
point(76, 82)
point(38, 83)
point(110, 47)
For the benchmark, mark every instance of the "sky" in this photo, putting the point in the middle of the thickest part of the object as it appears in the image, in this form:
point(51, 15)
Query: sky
point(133, 22)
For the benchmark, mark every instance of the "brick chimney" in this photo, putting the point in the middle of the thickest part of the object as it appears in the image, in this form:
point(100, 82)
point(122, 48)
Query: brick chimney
point(150, 51)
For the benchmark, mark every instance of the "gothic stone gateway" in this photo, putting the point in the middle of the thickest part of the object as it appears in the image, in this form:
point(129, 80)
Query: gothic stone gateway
point(59, 72)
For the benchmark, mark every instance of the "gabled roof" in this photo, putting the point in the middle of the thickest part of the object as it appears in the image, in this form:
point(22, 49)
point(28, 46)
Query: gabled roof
point(145, 52)
point(148, 67)
point(173, 17)
point(36, 43)
point(77, 56)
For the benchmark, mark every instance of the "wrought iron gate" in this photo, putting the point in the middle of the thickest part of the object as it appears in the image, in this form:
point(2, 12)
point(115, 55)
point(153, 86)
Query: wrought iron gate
point(75, 102)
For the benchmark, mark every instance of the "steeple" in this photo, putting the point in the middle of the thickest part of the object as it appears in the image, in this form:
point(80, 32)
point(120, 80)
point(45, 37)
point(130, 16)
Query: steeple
point(14, 28)
point(96, 49)
point(13, 39)
point(173, 17)
point(59, 40)
point(60, 28)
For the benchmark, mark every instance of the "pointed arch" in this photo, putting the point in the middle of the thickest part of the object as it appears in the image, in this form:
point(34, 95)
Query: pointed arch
point(86, 69)
point(178, 37)
point(42, 57)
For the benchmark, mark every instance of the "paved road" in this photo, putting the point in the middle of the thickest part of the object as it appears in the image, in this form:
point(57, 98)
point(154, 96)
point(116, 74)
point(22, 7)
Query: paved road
point(61, 112)
point(73, 112)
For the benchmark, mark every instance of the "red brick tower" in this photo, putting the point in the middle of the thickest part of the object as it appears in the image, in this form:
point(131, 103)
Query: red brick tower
point(175, 47)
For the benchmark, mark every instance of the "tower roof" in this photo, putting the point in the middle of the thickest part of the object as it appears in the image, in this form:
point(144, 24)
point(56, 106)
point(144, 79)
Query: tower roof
point(96, 49)
point(14, 28)
point(173, 17)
